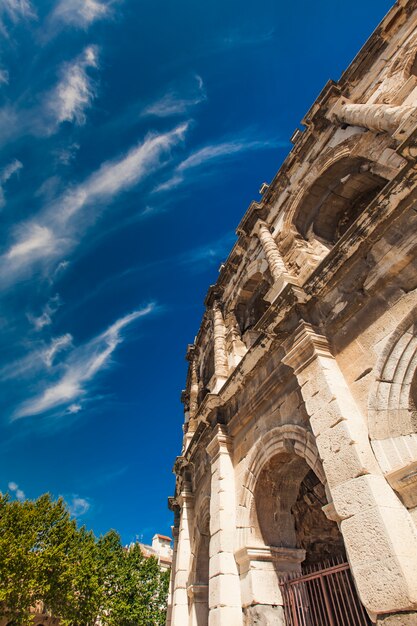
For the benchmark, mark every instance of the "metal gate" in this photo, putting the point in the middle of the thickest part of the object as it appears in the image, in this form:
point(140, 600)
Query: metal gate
point(323, 597)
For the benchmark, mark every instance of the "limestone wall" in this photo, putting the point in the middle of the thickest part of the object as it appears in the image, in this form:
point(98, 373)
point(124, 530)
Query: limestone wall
point(300, 435)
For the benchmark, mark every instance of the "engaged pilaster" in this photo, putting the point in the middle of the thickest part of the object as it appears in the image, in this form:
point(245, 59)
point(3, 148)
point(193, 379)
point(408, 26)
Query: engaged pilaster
point(380, 538)
point(183, 556)
point(224, 586)
point(175, 531)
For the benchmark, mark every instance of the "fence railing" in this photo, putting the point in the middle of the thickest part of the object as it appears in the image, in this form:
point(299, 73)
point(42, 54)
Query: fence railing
point(323, 597)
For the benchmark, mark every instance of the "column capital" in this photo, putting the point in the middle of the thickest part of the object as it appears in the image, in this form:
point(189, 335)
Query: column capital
point(221, 442)
point(305, 345)
point(213, 297)
point(186, 497)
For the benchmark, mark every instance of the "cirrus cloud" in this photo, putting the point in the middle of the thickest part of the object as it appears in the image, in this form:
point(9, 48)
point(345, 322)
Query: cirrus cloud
point(75, 91)
point(80, 13)
point(80, 369)
point(62, 222)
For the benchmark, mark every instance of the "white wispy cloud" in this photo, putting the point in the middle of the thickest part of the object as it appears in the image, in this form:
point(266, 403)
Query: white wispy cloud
point(49, 310)
point(174, 103)
point(81, 367)
point(58, 344)
point(12, 11)
point(75, 91)
point(66, 155)
point(40, 357)
point(78, 506)
point(19, 493)
point(73, 409)
point(122, 174)
point(220, 151)
point(55, 232)
point(81, 13)
point(67, 101)
point(213, 153)
point(5, 174)
point(34, 241)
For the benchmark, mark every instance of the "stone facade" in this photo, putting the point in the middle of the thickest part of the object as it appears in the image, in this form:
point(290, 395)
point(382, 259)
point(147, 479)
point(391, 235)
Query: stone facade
point(300, 435)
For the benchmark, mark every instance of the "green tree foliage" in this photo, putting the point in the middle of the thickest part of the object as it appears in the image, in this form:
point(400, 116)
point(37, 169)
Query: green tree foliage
point(45, 557)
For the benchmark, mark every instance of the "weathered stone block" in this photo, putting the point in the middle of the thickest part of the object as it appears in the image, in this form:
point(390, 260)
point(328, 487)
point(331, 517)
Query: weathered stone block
point(264, 615)
point(224, 592)
point(363, 493)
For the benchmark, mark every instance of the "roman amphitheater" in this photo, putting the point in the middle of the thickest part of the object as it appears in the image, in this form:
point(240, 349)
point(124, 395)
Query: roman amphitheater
point(296, 488)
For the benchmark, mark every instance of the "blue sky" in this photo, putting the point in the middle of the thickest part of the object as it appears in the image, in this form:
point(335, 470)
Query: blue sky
point(133, 136)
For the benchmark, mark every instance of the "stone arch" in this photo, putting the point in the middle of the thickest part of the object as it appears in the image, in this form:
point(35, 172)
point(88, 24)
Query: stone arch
point(392, 401)
point(249, 303)
point(392, 411)
point(281, 515)
point(336, 198)
point(354, 148)
point(282, 439)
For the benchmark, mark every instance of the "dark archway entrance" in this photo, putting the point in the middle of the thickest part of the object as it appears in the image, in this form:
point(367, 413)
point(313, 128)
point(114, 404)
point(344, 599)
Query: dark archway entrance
point(289, 501)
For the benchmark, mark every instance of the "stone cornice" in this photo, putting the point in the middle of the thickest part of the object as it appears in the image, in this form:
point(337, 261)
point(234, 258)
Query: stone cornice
point(214, 294)
point(255, 212)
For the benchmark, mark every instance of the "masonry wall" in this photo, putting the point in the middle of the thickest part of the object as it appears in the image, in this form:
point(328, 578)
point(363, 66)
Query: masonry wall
point(300, 435)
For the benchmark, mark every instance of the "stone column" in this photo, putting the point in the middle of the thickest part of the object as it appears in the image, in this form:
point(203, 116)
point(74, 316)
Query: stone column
point(220, 353)
point(380, 538)
point(182, 566)
point(191, 396)
point(378, 117)
point(193, 389)
point(271, 250)
point(225, 606)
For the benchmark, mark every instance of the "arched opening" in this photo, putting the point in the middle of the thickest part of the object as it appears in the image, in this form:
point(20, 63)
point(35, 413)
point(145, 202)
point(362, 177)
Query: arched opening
point(289, 499)
point(336, 199)
point(251, 306)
